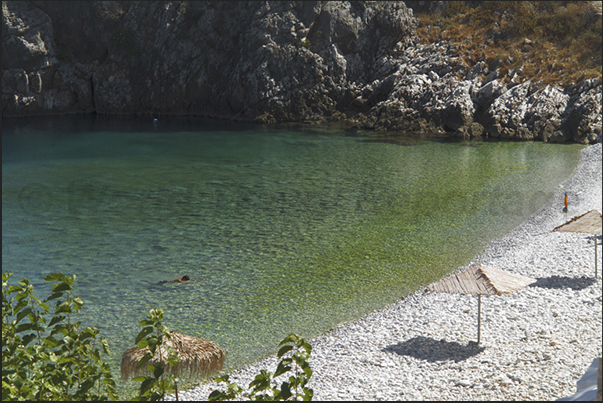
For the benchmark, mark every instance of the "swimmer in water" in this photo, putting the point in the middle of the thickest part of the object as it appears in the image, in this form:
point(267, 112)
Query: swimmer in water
point(182, 279)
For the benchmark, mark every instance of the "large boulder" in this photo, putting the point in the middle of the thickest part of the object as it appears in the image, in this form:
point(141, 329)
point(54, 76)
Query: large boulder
point(535, 112)
point(582, 118)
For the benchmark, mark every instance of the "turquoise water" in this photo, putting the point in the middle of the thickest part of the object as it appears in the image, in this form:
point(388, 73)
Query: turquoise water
point(282, 229)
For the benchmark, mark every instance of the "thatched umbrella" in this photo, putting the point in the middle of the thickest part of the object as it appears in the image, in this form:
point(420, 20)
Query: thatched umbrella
point(587, 223)
point(197, 356)
point(481, 280)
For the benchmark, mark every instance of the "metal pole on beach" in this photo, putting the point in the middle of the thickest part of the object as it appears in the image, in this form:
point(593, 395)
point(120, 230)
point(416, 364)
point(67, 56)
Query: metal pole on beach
point(479, 310)
point(595, 236)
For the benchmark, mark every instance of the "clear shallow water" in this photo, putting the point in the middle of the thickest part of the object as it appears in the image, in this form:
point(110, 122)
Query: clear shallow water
point(282, 230)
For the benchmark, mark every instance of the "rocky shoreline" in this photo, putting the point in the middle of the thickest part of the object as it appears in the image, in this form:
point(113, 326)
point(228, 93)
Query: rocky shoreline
point(357, 63)
point(535, 343)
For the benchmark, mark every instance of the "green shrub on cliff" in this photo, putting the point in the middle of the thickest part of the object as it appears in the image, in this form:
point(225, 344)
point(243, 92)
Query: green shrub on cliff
point(556, 42)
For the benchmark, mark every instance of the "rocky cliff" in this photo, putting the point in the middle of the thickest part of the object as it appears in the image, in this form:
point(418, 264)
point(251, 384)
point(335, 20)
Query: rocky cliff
point(355, 62)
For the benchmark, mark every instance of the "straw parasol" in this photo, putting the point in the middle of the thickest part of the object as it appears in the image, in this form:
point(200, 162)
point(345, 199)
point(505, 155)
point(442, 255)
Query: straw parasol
point(587, 223)
point(197, 356)
point(481, 280)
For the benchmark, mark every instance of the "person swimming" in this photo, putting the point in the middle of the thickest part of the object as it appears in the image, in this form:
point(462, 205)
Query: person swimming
point(182, 279)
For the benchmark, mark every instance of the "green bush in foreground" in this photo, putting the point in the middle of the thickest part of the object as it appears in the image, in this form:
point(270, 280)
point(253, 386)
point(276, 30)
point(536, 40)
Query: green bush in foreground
point(155, 387)
point(50, 359)
point(261, 388)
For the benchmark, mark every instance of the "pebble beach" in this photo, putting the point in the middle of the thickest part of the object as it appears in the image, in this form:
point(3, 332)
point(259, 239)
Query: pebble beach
point(535, 343)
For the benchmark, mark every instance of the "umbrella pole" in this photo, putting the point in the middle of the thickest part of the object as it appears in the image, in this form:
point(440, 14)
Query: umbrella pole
point(479, 310)
point(595, 236)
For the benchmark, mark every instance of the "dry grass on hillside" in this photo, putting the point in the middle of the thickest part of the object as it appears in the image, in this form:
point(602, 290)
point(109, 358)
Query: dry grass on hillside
point(556, 42)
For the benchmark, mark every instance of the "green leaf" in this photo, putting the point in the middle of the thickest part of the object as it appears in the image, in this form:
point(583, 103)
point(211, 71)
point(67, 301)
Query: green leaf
point(15, 288)
point(143, 333)
point(158, 371)
point(60, 328)
point(217, 395)
point(105, 344)
point(146, 385)
point(23, 314)
point(54, 296)
point(306, 346)
point(58, 277)
point(285, 391)
point(68, 340)
point(300, 358)
point(45, 307)
point(51, 342)
point(173, 359)
point(261, 381)
point(143, 360)
point(88, 332)
point(66, 360)
point(85, 386)
point(283, 350)
point(308, 394)
point(288, 360)
point(165, 331)
point(234, 389)
point(60, 287)
point(156, 315)
point(21, 295)
point(78, 302)
point(281, 369)
point(63, 307)
point(152, 343)
point(223, 378)
point(23, 327)
point(28, 338)
point(292, 338)
point(19, 306)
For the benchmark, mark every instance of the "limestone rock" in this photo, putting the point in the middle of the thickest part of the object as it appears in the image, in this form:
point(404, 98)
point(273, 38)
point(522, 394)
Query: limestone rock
point(358, 62)
point(26, 37)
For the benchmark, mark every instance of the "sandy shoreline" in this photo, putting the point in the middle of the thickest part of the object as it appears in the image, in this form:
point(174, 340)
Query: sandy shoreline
point(536, 343)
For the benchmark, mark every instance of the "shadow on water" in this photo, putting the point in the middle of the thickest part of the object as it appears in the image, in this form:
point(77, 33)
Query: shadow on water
point(119, 123)
point(560, 282)
point(428, 349)
point(397, 140)
point(170, 286)
point(418, 138)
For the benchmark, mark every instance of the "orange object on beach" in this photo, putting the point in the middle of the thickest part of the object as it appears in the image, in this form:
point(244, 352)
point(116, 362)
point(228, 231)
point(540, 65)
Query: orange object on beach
point(565, 202)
